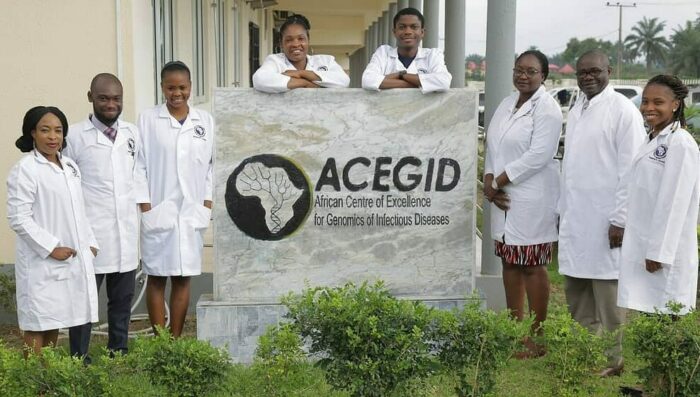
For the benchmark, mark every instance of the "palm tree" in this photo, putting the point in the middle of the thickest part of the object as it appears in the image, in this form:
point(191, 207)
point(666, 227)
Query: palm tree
point(685, 54)
point(646, 40)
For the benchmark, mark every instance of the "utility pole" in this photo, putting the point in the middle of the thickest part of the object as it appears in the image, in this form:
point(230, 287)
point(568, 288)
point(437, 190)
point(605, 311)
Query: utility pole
point(619, 6)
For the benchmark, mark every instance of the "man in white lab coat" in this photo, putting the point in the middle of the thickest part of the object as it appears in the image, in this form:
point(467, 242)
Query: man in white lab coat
point(407, 65)
point(604, 131)
point(104, 147)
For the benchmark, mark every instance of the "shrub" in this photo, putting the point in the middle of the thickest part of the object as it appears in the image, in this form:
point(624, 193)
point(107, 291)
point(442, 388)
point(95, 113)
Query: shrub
point(474, 344)
point(371, 343)
point(573, 353)
point(669, 347)
point(185, 366)
point(7, 291)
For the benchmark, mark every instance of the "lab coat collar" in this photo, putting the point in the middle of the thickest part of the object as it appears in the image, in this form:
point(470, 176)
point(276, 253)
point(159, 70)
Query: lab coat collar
point(526, 107)
point(288, 64)
point(607, 91)
point(661, 138)
point(394, 53)
point(191, 117)
point(39, 158)
point(100, 136)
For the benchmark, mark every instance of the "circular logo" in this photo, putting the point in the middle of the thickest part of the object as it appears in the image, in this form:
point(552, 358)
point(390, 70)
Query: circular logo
point(199, 131)
point(660, 151)
point(268, 197)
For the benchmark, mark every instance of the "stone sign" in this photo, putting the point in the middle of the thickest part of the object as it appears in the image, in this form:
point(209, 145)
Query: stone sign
point(324, 187)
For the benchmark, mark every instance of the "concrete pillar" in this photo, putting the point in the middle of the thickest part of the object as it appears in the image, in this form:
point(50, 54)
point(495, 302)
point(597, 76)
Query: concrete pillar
point(386, 28)
point(375, 35)
point(500, 51)
point(454, 40)
point(417, 4)
point(393, 7)
point(431, 13)
point(368, 40)
point(401, 5)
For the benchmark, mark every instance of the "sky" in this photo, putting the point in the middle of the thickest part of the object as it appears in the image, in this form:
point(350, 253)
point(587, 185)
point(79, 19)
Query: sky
point(549, 24)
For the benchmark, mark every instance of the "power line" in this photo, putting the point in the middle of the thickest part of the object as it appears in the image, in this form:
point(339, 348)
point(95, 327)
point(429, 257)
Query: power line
point(620, 6)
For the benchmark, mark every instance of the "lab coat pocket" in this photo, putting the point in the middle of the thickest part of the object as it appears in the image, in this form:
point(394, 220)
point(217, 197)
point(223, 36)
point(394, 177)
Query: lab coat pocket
point(161, 218)
point(60, 270)
point(200, 216)
point(88, 261)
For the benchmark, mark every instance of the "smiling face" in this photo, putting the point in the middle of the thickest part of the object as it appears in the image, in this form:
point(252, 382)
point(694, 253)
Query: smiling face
point(408, 31)
point(176, 87)
point(592, 74)
point(106, 98)
point(48, 136)
point(295, 44)
point(658, 106)
point(527, 74)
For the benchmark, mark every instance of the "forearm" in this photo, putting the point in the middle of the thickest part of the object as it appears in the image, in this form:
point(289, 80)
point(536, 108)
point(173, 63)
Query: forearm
point(395, 83)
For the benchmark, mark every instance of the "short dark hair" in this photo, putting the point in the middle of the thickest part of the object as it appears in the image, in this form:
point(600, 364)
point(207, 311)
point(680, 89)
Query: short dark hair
point(541, 58)
point(680, 91)
point(25, 143)
point(175, 66)
point(296, 19)
point(409, 11)
point(106, 77)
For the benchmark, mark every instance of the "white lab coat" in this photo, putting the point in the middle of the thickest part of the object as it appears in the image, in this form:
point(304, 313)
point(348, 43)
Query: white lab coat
point(269, 77)
point(661, 224)
point(108, 187)
point(174, 173)
point(45, 208)
point(429, 65)
point(601, 143)
point(524, 145)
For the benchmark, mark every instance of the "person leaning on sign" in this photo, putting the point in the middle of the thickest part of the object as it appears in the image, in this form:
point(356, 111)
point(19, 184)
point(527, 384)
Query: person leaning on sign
point(603, 133)
point(659, 258)
point(55, 244)
point(407, 65)
point(174, 192)
point(521, 180)
point(295, 68)
point(104, 147)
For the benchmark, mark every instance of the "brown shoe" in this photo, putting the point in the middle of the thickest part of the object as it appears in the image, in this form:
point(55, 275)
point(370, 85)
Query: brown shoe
point(612, 371)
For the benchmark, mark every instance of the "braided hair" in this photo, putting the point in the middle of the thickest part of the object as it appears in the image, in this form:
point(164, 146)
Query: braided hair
point(680, 91)
point(296, 19)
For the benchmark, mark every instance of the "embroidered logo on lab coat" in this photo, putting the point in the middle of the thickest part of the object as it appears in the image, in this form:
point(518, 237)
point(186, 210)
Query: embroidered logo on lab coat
point(659, 154)
point(422, 71)
point(199, 131)
point(323, 68)
point(73, 170)
point(131, 146)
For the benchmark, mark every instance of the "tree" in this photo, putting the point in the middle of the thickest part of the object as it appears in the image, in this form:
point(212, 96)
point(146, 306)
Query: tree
point(646, 40)
point(685, 53)
point(575, 48)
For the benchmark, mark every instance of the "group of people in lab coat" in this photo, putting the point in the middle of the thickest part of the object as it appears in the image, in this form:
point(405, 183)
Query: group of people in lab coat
point(623, 208)
point(405, 66)
point(74, 200)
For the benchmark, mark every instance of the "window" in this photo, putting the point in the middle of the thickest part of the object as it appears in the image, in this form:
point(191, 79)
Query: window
point(163, 40)
point(221, 43)
point(198, 67)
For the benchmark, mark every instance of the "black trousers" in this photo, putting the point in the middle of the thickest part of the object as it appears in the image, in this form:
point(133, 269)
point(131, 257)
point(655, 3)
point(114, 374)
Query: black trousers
point(120, 292)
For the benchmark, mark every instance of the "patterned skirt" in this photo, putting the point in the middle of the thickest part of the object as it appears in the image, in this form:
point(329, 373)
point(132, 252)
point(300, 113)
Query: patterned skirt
point(525, 255)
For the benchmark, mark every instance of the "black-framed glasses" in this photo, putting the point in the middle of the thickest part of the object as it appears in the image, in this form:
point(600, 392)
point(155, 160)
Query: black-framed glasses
point(593, 72)
point(528, 72)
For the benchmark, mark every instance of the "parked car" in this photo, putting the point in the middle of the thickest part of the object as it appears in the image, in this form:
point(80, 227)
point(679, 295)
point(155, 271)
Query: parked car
point(482, 102)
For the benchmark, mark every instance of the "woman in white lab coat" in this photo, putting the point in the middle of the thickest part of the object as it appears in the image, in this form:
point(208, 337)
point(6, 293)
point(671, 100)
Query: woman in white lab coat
point(521, 180)
point(659, 258)
point(174, 191)
point(55, 244)
point(294, 67)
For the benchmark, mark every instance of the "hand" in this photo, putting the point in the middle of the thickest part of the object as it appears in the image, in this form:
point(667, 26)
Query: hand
point(653, 266)
point(94, 251)
point(62, 253)
point(489, 191)
point(293, 73)
point(501, 200)
point(393, 76)
point(145, 207)
point(208, 203)
point(615, 235)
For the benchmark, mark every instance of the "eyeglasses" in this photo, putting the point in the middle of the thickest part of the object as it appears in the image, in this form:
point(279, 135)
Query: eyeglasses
point(594, 72)
point(528, 72)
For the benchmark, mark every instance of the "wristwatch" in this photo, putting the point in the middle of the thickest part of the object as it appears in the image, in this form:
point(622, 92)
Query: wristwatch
point(401, 73)
point(494, 184)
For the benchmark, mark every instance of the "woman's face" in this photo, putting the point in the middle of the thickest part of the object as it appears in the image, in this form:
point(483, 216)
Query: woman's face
point(48, 135)
point(527, 74)
point(658, 105)
point(176, 87)
point(295, 43)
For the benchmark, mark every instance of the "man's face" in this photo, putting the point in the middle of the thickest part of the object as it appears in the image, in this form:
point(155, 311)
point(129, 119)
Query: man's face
point(592, 74)
point(106, 98)
point(408, 31)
